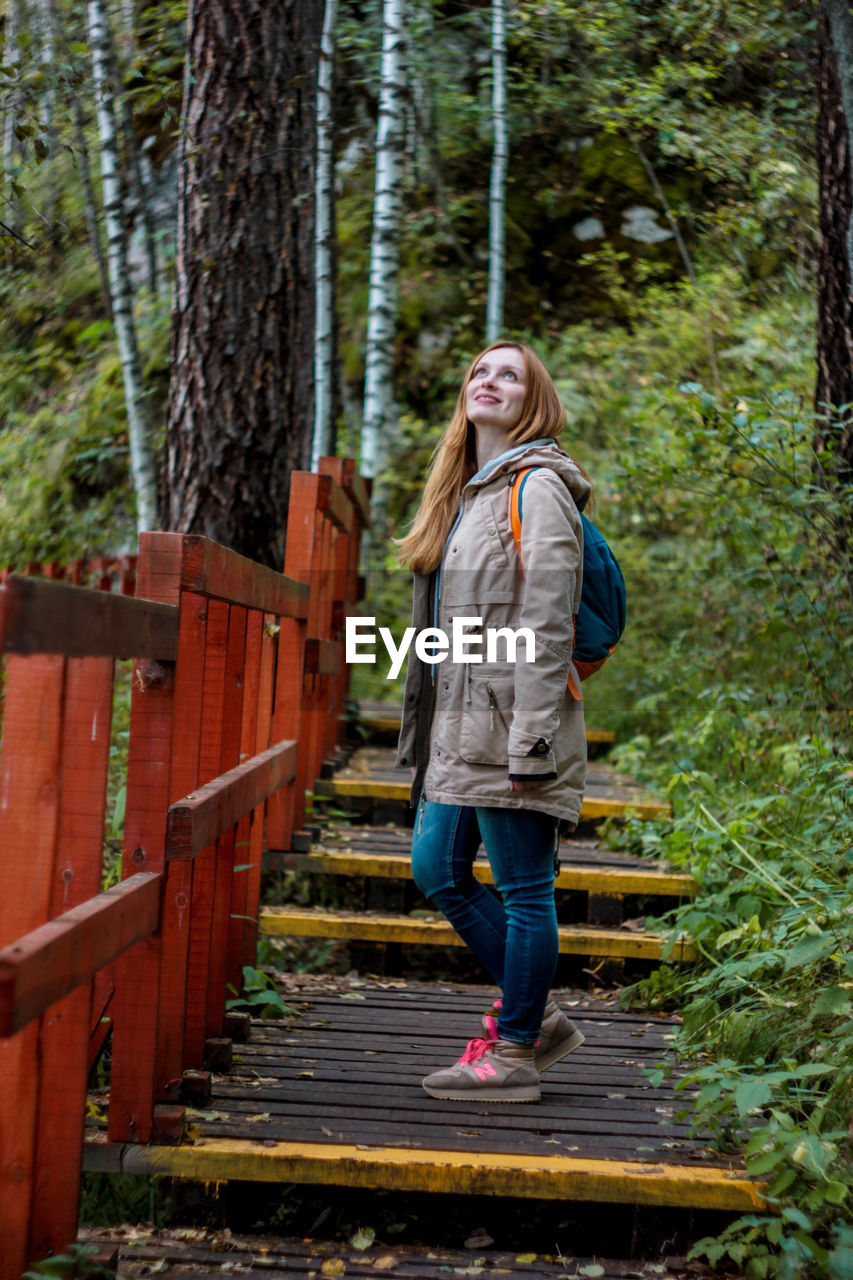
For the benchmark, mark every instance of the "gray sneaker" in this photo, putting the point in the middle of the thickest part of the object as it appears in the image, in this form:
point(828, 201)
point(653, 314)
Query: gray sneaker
point(488, 1071)
point(558, 1036)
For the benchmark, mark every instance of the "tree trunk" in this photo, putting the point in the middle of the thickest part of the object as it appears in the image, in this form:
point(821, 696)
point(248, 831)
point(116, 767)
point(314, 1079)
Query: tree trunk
point(242, 389)
point(93, 231)
point(378, 416)
point(497, 187)
point(139, 205)
point(142, 465)
point(834, 387)
point(11, 54)
point(324, 281)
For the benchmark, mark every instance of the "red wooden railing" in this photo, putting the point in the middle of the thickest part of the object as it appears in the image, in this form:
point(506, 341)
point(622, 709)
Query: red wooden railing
point(238, 684)
point(106, 573)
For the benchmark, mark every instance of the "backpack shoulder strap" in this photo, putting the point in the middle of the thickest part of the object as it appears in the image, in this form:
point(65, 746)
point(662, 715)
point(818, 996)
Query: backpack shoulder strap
point(515, 496)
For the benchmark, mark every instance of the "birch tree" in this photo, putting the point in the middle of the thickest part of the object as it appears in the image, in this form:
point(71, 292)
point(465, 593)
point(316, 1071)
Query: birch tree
point(324, 195)
point(378, 415)
point(142, 465)
point(497, 186)
point(10, 56)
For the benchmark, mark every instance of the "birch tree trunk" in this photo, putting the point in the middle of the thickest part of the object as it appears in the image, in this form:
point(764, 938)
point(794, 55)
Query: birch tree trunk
point(140, 201)
point(93, 231)
point(497, 186)
point(142, 466)
point(378, 415)
point(324, 196)
point(10, 56)
point(241, 396)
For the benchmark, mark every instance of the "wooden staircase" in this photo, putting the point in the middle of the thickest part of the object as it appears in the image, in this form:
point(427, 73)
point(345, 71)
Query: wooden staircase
point(332, 1096)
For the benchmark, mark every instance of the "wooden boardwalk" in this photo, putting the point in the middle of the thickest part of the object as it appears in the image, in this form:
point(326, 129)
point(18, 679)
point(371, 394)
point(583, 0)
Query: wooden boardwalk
point(371, 776)
point(200, 1254)
point(335, 1097)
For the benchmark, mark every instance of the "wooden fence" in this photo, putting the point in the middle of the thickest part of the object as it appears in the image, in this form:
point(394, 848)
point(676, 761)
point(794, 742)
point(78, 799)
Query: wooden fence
point(238, 685)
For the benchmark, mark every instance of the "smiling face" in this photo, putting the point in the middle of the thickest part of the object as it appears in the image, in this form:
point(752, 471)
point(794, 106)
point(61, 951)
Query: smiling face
point(497, 389)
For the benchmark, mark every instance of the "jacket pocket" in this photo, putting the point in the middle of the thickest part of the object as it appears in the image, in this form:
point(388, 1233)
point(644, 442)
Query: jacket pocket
point(487, 716)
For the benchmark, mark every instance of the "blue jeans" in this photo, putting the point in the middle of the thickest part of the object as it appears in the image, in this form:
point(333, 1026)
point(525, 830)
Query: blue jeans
point(515, 937)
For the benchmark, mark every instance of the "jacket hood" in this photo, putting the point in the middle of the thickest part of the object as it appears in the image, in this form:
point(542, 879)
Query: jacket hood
point(537, 453)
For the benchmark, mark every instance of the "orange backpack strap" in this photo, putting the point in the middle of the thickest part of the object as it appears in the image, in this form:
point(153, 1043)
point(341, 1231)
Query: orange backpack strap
point(515, 524)
point(515, 506)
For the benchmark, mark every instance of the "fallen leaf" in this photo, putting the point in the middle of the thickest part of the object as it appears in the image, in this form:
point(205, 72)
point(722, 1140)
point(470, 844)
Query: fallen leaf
point(479, 1239)
point(265, 1115)
point(305, 1075)
point(363, 1238)
point(591, 1269)
point(333, 1267)
point(386, 1263)
point(526, 1257)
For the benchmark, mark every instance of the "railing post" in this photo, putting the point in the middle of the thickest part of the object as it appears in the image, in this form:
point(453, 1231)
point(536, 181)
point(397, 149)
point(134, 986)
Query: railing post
point(140, 1057)
point(32, 735)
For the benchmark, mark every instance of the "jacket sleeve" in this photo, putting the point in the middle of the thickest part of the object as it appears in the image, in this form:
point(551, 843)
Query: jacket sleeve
point(552, 554)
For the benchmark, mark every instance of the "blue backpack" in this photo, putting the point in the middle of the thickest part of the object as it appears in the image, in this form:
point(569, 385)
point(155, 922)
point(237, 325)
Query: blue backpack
point(600, 618)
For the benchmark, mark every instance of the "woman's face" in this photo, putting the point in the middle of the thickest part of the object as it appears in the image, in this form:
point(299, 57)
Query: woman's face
point(495, 394)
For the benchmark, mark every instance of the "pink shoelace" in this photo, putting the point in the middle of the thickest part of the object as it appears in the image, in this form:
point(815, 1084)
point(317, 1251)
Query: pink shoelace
point(474, 1050)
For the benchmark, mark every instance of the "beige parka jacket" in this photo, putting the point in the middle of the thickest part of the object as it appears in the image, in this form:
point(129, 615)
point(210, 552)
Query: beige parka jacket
point(470, 727)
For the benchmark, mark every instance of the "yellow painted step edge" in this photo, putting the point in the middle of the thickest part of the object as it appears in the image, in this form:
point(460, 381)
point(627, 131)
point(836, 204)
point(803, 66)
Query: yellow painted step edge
point(371, 788)
point(470, 1173)
point(288, 922)
point(615, 880)
point(391, 724)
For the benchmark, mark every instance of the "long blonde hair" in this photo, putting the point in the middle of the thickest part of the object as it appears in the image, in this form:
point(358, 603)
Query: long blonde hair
point(455, 459)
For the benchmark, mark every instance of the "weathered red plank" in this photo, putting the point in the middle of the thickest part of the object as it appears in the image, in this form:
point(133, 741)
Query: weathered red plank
point(212, 570)
point(204, 870)
point(285, 809)
point(229, 758)
point(38, 615)
point(148, 795)
point(29, 795)
point(256, 640)
point(201, 817)
point(324, 657)
point(43, 966)
point(100, 1019)
point(256, 833)
point(64, 1028)
point(178, 895)
point(356, 488)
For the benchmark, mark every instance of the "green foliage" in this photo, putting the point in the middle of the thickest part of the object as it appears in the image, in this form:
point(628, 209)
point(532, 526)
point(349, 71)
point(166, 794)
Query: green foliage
point(260, 996)
point(77, 1264)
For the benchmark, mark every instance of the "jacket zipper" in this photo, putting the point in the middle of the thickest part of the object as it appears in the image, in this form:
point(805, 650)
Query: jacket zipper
point(493, 707)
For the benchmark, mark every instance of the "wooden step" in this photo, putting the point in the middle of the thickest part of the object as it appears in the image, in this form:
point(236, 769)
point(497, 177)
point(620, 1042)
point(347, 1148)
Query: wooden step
point(203, 1254)
point(384, 853)
point(384, 717)
point(433, 930)
point(334, 1097)
point(370, 775)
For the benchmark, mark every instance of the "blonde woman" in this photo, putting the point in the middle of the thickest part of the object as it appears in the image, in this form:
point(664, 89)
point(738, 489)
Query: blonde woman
point(495, 738)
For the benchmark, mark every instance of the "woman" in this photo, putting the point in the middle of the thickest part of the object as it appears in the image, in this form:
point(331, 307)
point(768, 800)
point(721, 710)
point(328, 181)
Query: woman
point(497, 746)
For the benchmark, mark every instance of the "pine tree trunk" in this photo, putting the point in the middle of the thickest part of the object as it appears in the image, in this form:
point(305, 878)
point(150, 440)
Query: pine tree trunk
point(835, 308)
point(497, 188)
point(378, 417)
point(242, 390)
point(324, 203)
point(142, 465)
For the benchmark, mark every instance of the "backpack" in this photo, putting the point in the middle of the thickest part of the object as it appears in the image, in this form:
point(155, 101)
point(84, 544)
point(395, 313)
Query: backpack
point(600, 619)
